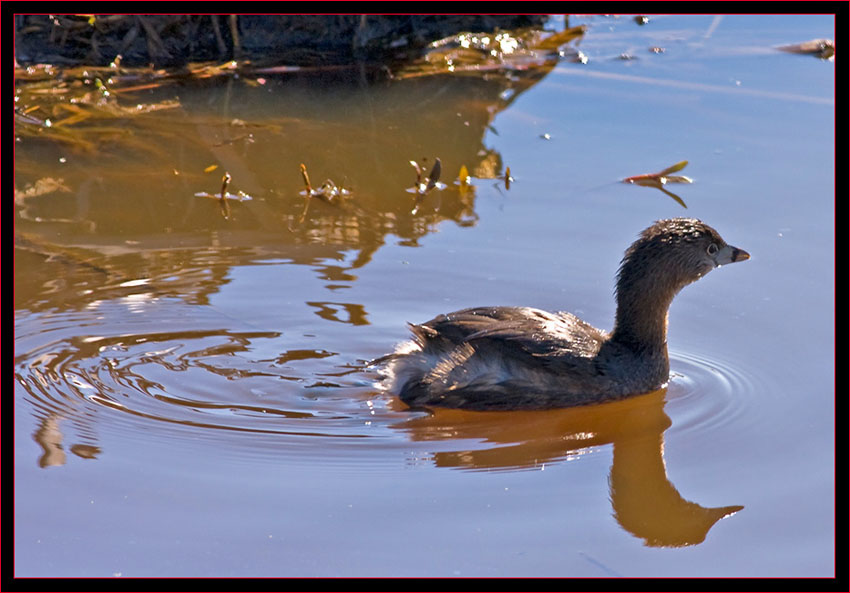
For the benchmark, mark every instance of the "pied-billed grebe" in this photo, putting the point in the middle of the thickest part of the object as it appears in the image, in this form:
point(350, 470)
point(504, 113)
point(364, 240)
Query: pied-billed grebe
point(510, 358)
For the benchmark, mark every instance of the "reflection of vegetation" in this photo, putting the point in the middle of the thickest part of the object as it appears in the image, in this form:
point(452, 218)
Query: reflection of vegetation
point(134, 156)
point(660, 179)
point(292, 355)
point(489, 166)
point(355, 313)
point(43, 186)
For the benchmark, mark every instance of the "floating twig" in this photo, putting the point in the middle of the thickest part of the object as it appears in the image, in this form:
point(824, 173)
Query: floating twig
point(225, 207)
point(224, 197)
point(306, 178)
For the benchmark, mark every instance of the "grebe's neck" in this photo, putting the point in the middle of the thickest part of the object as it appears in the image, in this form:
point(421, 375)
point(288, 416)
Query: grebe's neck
point(641, 321)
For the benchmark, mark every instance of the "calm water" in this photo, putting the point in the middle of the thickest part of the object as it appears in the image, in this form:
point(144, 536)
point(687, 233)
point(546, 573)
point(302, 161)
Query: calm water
point(192, 396)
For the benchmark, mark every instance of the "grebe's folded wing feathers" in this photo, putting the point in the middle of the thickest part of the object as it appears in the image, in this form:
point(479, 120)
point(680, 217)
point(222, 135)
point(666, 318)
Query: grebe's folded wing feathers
point(544, 334)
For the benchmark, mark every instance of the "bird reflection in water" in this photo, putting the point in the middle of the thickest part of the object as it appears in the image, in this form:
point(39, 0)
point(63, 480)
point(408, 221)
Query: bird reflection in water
point(645, 502)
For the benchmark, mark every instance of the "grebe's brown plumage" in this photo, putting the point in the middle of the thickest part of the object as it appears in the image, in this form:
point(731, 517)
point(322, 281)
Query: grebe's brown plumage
point(503, 358)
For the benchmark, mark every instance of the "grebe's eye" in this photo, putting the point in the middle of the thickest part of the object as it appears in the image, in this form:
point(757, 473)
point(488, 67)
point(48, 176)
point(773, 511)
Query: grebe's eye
point(712, 249)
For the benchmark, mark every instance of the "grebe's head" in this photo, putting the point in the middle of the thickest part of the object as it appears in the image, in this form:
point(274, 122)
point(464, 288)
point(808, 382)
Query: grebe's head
point(673, 253)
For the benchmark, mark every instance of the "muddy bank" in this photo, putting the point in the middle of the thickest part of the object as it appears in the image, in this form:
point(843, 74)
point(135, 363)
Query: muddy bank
point(175, 40)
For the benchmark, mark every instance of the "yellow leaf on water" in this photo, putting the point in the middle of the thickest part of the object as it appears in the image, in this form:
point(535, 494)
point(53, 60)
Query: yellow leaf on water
point(463, 176)
point(672, 169)
point(211, 168)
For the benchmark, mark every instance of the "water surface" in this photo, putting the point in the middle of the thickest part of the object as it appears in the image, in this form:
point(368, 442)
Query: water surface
point(192, 395)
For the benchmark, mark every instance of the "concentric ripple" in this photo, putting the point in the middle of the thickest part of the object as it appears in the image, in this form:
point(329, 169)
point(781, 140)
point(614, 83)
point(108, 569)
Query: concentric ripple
point(198, 386)
point(259, 393)
point(709, 394)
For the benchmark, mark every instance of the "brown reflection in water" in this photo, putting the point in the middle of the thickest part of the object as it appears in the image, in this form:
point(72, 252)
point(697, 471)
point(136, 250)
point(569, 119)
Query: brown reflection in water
point(356, 314)
point(645, 502)
point(49, 437)
point(134, 214)
point(294, 355)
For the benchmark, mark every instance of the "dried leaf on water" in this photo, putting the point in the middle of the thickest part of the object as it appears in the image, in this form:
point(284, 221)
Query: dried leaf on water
point(658, 180)
point(821, 48)
point(423, 186)
point(651, 179)
point(328, 191)
point(434, 176)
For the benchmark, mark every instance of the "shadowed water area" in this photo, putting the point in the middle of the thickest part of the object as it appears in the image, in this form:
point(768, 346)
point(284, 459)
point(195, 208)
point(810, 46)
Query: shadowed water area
point(193, 395)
